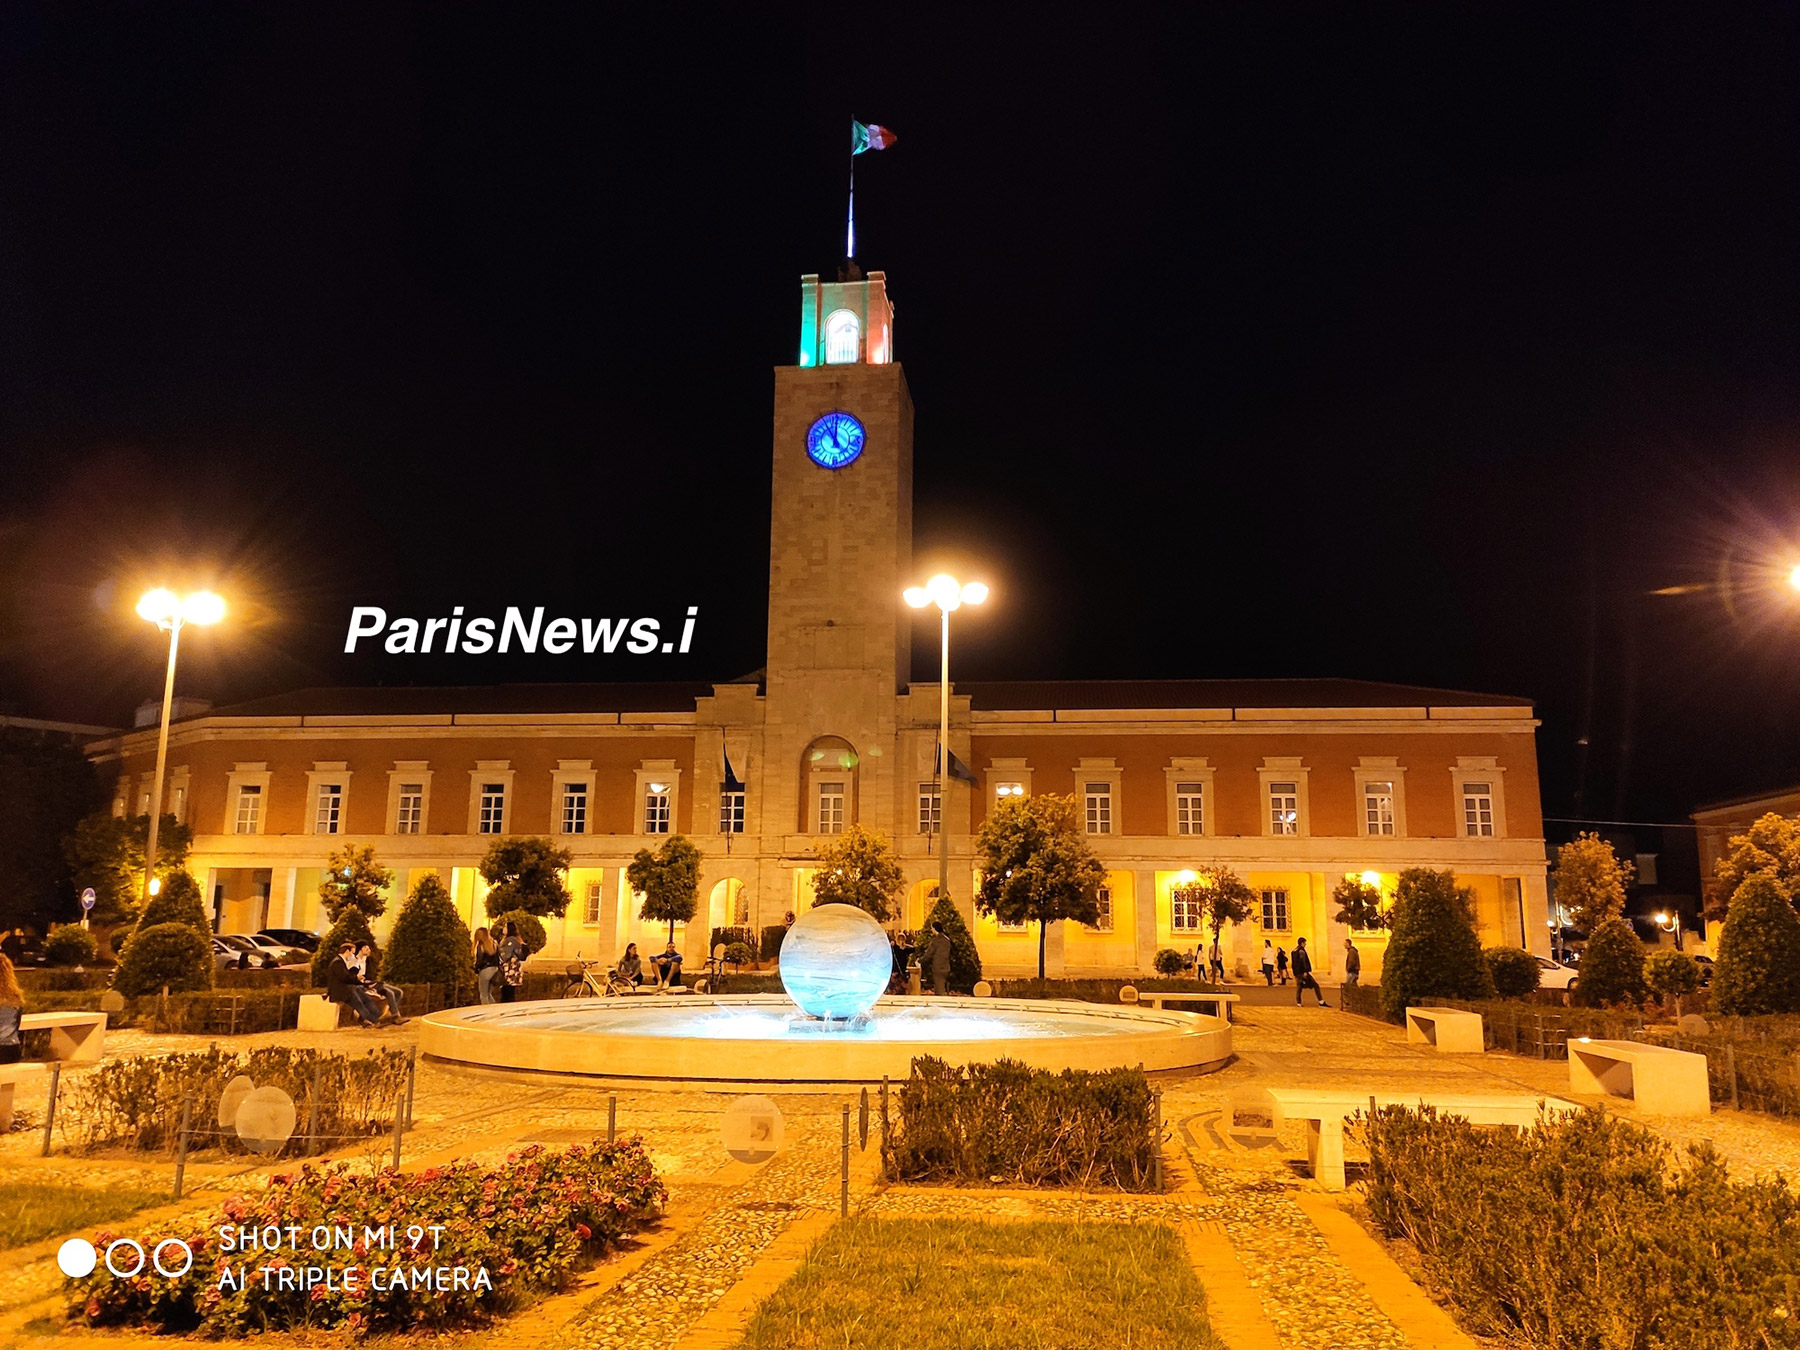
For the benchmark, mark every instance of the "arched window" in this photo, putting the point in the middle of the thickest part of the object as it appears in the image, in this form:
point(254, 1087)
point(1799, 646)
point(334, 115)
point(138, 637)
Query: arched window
point(843, 337)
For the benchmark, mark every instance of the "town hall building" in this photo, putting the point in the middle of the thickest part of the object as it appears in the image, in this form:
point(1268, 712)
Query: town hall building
point(1292, 783)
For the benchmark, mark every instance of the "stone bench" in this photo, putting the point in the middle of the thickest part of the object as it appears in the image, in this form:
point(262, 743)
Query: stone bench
point(1220, 1003)
point(1662, 1081)
point(1451, 1030)
point(317, 1013)
point(76, 1036)
point(1325, 1110)
point(10, 1076)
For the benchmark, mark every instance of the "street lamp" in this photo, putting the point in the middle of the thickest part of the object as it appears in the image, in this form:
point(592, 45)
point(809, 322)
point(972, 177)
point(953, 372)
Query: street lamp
point(167, 610)
point(947, 593)
point(1670, 923)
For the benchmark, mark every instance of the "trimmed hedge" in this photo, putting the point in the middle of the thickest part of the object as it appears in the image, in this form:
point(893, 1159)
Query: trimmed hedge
point(1010, 1125)
point(1612, 967)
point(205, 1012)
point(167, 954)
point(431, 944)
point(1432, 951)
point(772, 936)
point(69, 944)
point(1758, 967)
point(1584, 1233)
point(1514, 971)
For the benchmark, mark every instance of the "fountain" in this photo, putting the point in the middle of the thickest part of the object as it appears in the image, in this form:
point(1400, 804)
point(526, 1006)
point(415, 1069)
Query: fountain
point(834, 1025)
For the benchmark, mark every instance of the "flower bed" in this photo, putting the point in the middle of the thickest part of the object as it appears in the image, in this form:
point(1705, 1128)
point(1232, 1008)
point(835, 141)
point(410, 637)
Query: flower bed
point(528, 1226)
point(1584, 1235)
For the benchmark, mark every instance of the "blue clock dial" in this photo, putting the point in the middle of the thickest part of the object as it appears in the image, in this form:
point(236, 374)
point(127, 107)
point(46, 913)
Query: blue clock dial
point(835, 440)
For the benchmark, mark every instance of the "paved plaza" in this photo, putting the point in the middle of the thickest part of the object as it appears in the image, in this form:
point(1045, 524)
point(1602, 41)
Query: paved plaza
point(1284, 1263)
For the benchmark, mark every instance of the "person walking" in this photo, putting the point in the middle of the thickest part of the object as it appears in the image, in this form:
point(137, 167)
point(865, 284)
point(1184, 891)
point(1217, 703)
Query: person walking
point(1215, 961)
point(512, 963)
point(1303, 976)
point(938, 953)
point(12, 1012)
point(487, 961)
point(1268, 963)
point(1352, 963)
point(1281, 964)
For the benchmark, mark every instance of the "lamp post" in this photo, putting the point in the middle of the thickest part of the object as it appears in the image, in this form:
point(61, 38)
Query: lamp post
point(948, 594)
point(167, 610)
point(1670, 922)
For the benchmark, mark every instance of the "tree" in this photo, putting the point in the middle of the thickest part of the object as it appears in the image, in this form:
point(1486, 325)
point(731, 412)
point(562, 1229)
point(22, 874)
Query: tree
point(858, 868)
point(527, 872)
point(669, 881)
point(177, 901)
point(1036, 865)
point(1433, 951)
point(69, 944)
point(1591, 882)
point(1515, 972)
point(965, 960)
point(1221, 896)
point(431, 944)
point(1758, 962)
point(46, 786)
point(1612, 967)
point(107, 853)
point(354, 880)
point(1671, 974)
point(1771, 846)
point(170, 954)
point(1359, 905)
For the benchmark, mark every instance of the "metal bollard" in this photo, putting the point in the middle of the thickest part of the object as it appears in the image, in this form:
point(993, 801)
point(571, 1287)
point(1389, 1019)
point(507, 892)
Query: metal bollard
point(612, 1116)
point(399, 1128)
point(1731, 1072)
point(844, 1179)
point(412, 1069)
point(50, 1109)
point(862, 1121)
point(312, 1111)
point(181, 1143)
point(1156, 1170)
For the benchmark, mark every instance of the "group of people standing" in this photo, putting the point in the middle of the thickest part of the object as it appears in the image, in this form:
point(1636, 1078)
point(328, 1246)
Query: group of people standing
point(500, 960)
point(1276, 964)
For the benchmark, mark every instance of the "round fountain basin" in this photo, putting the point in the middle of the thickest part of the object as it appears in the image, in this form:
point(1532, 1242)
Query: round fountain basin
point(763, 1038)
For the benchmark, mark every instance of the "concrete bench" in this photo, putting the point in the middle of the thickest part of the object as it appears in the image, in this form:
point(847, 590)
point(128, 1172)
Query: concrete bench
point(317, 1013)
point(1326, 1109)
point(1451, 1030)
point(1220, 1003)
point(77, 1036)
point(10, 1076)
point(1662, 1081)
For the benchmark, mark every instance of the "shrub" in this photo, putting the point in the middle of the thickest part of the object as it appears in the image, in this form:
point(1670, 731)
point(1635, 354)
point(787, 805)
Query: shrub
point(1758, 961)
point(171, 954)
point(771, 941)
point(739, 954)
point(965, 961)
point(528, 1225)
point(1612, 967)
point(352, 926)
point(1433, 951)
point(1168, 962)
point(1515, 972)
point(177, 901)
point(1008, 1124)
point(531, 929)
point(431, 944)
point(1579, 1233)
point(1671, 973)
point(69, 944)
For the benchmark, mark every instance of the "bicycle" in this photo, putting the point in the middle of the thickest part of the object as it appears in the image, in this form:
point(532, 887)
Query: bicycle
point(583, 983)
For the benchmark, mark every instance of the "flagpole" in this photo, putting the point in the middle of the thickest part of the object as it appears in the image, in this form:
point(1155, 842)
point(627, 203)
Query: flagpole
point(944, 765)
point(850, 228)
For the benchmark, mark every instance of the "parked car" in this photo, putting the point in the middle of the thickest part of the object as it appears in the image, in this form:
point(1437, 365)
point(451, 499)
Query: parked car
point(1706, 968)
point(302, 938)
point(228, 948)
point(25, 950)
point(284, 953)
point(1554, 976)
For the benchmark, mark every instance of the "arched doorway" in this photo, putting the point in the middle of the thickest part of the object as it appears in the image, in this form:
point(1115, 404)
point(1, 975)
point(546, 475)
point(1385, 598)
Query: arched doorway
point(728, 906)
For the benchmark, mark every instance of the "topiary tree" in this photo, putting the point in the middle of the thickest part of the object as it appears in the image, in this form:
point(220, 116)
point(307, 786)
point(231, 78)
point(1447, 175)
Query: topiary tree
point(1612, 967)
point(1591, 881)
point(1515, 972)
point(69, 944)
point(1037, 866)
point(354, 880)
point(531, 929)
point(669, 881)
point(1671, 974)
point(1433, 951)
point(177, 901)
point(858, 868)
point(739, 954)
point(352, 927)
point(1359, 905)
point(1772, 846)
point(1168, 961)
point(1757, 966)
point(171, 954)
point(527, 872)
point(431, 944)
point(965, 960)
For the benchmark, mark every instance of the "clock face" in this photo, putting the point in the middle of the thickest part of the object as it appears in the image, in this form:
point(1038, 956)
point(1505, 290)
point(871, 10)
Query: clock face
point(835, 440)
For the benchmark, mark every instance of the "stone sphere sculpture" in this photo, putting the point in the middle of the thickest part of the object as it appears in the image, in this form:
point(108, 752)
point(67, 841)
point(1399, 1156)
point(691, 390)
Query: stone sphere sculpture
point(835, 961)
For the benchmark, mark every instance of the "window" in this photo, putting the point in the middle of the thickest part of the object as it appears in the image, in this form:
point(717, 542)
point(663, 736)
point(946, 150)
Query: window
point(410, 814)
point(1275, 910)
point(330, 810)
point(843, 337)
point(1284, 808)
point(178, 809)
point(1103, 924)
point(1099, 808)
point(831, 807)
point(931, 808)
point(656, 808)
point(574, 808)
point(249, 810)
point(1478, 810)
point(144, 802)
point(1186, 913)
point(1012, 927)
point(492, 819)
point(590, 913)
point(1378, 807)
point(731, 811)
point(1190, 815)
point(1004, 790)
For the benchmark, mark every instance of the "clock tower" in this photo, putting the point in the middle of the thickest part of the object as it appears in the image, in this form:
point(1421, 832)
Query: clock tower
point(840, 550)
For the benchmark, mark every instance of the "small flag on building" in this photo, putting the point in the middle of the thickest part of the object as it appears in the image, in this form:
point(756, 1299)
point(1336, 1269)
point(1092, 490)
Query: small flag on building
point(958, 770)
point(870, 137)
point(731, 779)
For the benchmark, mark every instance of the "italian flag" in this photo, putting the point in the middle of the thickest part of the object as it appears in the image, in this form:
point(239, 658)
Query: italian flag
point(870, 137)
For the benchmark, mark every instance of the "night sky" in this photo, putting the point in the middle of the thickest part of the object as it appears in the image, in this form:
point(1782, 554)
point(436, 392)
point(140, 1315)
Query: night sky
point(1397, 342)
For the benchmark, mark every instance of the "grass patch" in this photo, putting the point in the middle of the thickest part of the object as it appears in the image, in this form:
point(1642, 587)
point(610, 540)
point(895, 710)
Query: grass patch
point(36, 1210)
point(898, 1284)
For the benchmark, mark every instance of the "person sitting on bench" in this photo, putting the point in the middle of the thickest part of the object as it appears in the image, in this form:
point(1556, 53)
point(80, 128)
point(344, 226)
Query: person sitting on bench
point(342, 986)
point(375, 989)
